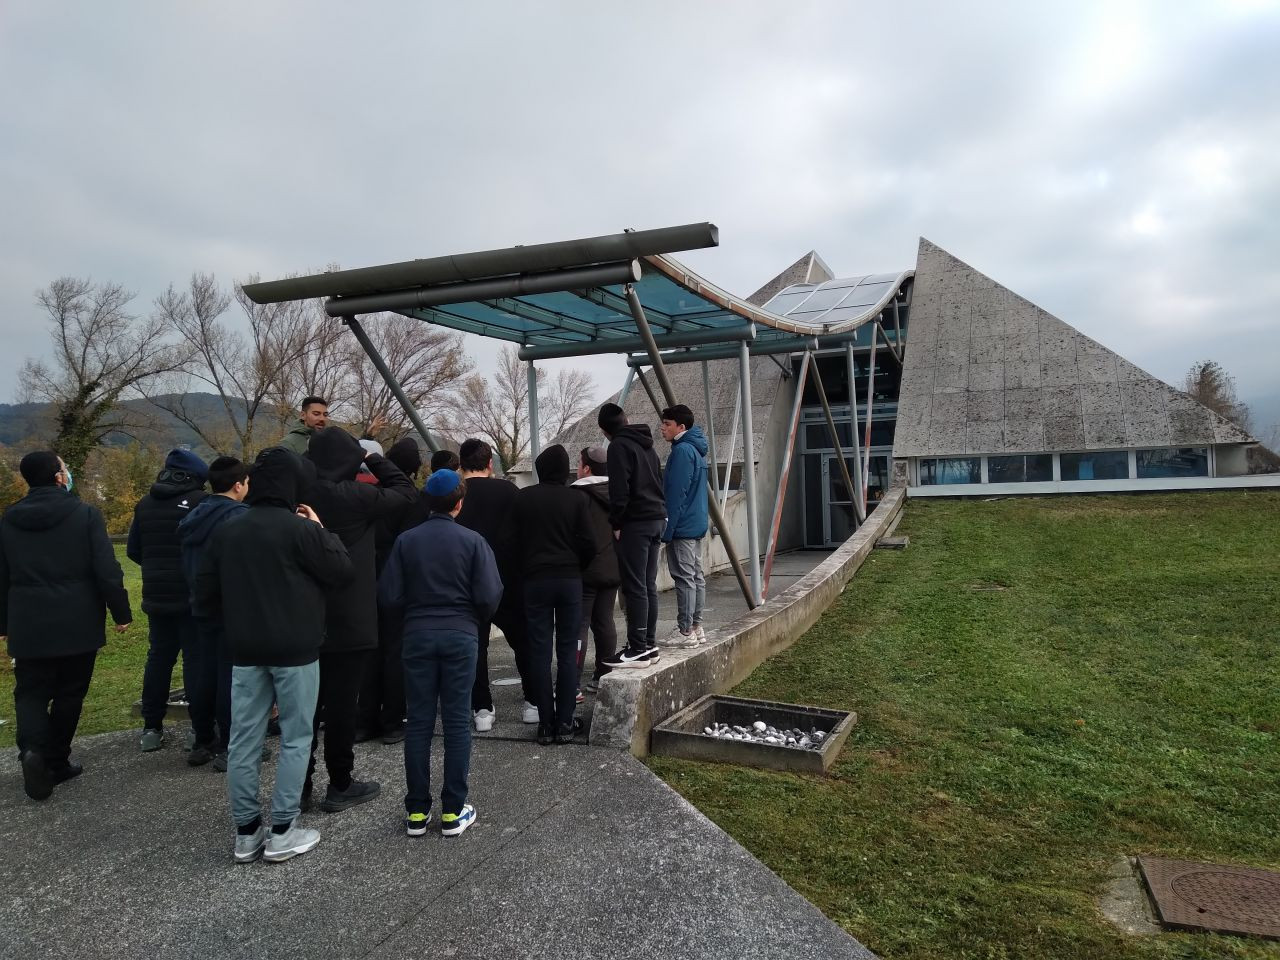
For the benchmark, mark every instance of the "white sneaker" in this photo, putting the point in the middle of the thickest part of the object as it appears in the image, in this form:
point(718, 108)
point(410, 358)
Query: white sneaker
point(699, 633)
point(293, 842)
point(484, 720)
point(676, 638)
point(530, 713)
point(452, 824)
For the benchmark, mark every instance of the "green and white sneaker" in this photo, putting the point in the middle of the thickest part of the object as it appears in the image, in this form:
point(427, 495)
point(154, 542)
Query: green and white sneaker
point(415, 824)
point(452, 824)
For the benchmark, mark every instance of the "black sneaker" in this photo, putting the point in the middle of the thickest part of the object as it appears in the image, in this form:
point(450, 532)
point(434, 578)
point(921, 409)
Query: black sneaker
point(201, 754)
point(546, 735)
point(36, 778)
point(273, 727)
point(220, 761)
point(357, 792)
point(627, 657)
point(565, 734)
point(391, 737)
point(68, 771)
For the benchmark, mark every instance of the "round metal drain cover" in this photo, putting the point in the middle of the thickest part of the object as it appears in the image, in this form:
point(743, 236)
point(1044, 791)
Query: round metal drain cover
point(1248, 899)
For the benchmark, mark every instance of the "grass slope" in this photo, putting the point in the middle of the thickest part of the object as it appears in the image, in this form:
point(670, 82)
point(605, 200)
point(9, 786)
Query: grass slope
point(1043, 686)
point(117, 676)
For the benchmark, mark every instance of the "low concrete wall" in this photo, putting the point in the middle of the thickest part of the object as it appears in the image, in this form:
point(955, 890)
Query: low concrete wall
point(631, 702)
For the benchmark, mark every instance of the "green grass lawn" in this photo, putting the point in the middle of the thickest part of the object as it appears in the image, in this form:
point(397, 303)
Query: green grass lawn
point(1044, 686)
point(117, 677)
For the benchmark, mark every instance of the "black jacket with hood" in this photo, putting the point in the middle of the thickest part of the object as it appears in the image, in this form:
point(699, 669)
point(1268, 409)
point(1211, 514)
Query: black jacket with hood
point(153, 541)
point(404, 454)
point(603, 569)
point(58, 576)
point(635, 477)
point(552, 527)
point(270, 571)
point(194, 534)
point(352, 511)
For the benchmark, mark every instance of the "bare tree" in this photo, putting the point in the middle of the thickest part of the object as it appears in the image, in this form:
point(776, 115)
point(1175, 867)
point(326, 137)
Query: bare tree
point(498, 408)
point(570, 397)
point(102, 356)
point(1212, 386)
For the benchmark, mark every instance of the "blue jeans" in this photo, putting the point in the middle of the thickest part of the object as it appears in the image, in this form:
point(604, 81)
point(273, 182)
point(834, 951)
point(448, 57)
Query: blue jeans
point(169, 635)
point(253, 690)
point(554, 607)
point(439, 669)
point(684, 561)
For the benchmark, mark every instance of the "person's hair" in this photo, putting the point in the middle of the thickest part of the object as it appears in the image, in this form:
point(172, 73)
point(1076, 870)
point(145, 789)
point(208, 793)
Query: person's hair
point(611, 418)
point(308, 401)
point(679, 414)
point(225, 473)
point(444, 460)
point(39, 468)
point(446, 503)
point(475, 455)
point(597, 468)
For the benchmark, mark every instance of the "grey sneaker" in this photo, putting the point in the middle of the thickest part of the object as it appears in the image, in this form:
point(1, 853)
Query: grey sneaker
point(152, 739)
point(676, 638)
point(294, 841)
point(700, 633)
point(249, 848)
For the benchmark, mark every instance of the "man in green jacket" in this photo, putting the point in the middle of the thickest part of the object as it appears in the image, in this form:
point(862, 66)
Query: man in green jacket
point(315, 416)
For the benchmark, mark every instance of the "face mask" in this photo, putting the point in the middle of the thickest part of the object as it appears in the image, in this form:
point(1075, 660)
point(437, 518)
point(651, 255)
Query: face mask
point(70, 482)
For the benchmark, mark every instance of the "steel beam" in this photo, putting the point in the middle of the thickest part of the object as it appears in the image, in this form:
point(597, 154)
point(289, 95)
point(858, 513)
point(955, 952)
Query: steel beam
point(866, 448)
point(775, 522)
point(714, 472)
point(389, 379)
point(535, 442)
point(716, 352)
point(835, 442)
point(859, 509)
point(685, 338)
point(626, 386)
point(749, 470)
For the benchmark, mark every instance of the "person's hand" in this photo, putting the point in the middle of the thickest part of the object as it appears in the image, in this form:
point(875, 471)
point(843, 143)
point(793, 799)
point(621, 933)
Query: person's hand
point(617, 534)
point(122, 627)
point(377, 424)
point(308, 514)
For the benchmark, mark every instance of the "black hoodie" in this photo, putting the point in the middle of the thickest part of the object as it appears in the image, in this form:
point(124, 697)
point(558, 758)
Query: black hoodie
point(269, 571)
point(58, 576)
point(153, 541)
point(352, 510)
point(603, 570)
point(552, 526)
point(635, 477)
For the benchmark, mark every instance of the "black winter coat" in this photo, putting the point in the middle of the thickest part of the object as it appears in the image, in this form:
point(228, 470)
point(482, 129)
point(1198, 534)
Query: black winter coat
point(58, 576)
point(635, 477)
point(153, 544)
point(195, 533)
point(269, 573)
point(602, 572)
point(489, 510)
point(352, 511)
point(553, 531)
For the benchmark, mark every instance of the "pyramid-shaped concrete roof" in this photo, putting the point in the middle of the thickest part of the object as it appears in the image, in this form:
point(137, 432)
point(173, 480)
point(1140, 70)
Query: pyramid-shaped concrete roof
point(989, 372)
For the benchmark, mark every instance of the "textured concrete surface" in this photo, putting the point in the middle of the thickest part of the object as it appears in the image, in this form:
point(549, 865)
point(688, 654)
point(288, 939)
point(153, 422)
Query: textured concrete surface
point(632, 701)
point(577, 852)
point(988, 372)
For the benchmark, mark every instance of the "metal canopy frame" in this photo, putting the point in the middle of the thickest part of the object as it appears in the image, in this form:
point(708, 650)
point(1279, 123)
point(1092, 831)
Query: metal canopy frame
point(599, 295)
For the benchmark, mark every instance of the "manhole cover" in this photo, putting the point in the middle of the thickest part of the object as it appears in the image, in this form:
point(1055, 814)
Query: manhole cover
point(1214, 897)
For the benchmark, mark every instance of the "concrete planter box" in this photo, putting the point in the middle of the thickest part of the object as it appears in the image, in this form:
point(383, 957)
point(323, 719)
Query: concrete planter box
point(681, 735)
point(176, 710)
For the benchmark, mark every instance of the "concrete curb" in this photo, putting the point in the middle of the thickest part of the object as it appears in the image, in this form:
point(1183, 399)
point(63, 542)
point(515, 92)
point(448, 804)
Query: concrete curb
point(631, 702)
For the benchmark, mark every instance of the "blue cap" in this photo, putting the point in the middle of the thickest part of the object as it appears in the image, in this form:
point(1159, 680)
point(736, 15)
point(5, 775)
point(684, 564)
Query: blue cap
point(442, 483)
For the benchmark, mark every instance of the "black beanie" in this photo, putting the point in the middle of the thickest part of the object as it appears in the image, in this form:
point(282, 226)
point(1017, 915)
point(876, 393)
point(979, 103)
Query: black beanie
point(39, 468)
point(553, 465)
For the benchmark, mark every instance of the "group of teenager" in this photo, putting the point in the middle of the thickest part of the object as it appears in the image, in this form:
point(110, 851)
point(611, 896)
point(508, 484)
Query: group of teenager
point(320, 588)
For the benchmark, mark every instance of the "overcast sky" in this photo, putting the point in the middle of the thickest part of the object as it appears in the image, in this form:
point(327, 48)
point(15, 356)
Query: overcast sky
point(1115, 163)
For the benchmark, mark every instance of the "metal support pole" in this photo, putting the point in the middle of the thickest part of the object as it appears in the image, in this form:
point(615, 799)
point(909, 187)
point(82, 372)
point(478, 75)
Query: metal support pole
point(749, 470)
point(653, 397)
point(714, 472)
point(392, 383)
point(750, 592)
point(866, 447)
point(775, 522)
point(835, 442)
point(626, 386)
point(733, 442)
point(535, 442)
point(897, 325)
point(859, 510)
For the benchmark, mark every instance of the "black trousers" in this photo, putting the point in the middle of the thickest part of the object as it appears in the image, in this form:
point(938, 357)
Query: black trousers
point(340, 676)
point(554, 609)
point(382, 707)
point(637, 550)
point(48, 694)
point(170, 634)
point(510, 619)
point(201, 675)
point(597, 619)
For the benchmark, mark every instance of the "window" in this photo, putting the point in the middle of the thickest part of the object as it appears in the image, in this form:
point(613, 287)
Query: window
point(1020, 469)
point(951, 470)
point(1102, 465)
point(1173, 462)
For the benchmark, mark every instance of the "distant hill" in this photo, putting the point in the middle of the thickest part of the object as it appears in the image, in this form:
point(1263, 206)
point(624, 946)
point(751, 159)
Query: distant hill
point(1265, 411)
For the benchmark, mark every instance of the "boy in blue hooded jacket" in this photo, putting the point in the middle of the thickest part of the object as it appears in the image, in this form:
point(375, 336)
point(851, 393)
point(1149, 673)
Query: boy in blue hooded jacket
point(685, 488)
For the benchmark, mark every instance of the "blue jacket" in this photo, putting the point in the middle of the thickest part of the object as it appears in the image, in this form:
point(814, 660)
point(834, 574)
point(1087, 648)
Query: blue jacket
point(684, 483)
point(442, 576)
point(194, 533)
